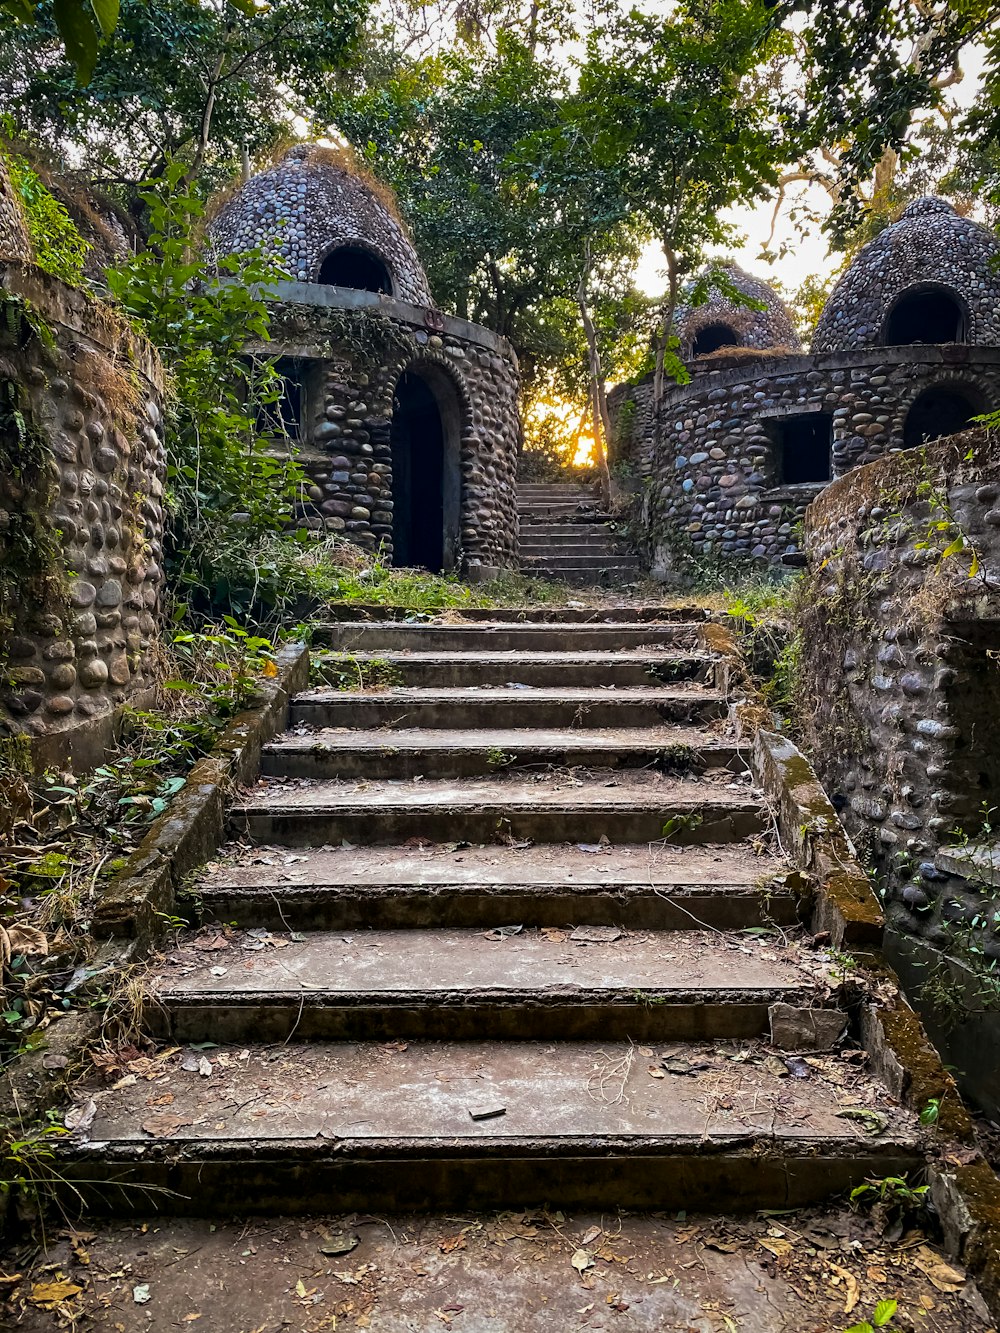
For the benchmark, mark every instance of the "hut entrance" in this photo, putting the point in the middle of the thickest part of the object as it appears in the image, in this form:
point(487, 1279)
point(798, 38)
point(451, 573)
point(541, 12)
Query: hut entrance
point(937, 412)
point(354, 266)
point(926, 315)
point(426, 475)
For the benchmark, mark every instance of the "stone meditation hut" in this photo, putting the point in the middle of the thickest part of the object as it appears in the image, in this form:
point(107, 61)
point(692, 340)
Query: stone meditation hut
point(907, 350)
point(405, 419)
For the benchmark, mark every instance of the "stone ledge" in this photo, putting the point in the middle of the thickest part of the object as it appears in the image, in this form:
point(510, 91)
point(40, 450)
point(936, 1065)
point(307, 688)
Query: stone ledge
point(187, 833)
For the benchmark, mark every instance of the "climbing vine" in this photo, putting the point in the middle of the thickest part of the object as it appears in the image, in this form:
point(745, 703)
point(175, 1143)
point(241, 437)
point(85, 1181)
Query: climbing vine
point(56, 241)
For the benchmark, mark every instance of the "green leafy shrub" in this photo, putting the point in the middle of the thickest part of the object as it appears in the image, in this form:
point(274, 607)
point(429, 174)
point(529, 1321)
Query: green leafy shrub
point(58, 246)
point(209, 322)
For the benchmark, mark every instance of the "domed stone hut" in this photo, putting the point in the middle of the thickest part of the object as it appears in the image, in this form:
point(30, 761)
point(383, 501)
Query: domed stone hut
point(721, 323)
point(907, 350)
point(405, 419)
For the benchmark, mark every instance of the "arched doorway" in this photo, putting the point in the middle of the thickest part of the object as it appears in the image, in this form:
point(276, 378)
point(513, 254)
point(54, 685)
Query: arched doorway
point(926, 315)
point(712, 337)
point(354, 266)
point(426, 469)
point(939, 411)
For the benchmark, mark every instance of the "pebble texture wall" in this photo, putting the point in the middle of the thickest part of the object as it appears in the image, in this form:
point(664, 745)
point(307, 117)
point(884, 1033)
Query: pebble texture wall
point(770, 327)
point(309, 204)
point(929, 244)
point(352, 354)
point(901, 687)
point(14, 240)
point(81, 518)
point(715, 485)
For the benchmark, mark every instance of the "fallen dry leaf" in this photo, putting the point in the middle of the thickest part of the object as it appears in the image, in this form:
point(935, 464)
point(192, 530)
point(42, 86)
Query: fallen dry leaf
point(162, 1125)
point(50, 1295)
point(590, 1235)
point(581, 1261)
point(851, 1283)
point(448, 1243)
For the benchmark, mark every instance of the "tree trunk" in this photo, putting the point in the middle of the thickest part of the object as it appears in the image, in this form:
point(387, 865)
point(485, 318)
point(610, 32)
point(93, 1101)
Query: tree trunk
point(663, 331)
point(598, 395)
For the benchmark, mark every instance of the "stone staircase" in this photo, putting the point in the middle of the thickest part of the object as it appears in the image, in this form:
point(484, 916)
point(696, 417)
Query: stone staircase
point(567, 535)
point(510, 929)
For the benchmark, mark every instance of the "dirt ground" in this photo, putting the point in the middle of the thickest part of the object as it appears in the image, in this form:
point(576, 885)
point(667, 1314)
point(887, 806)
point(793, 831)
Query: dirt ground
point(814, 1271)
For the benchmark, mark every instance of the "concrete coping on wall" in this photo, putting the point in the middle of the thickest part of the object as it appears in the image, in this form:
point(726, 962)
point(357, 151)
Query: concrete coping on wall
point(423, 318)
point(946, 355)
point(78, 312)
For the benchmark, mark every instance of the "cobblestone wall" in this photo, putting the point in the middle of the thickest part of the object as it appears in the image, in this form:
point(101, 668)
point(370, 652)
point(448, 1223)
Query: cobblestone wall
point(901, 689)
point(81, 519)
point(715, 486)
point(900, 695)
point(351, 350)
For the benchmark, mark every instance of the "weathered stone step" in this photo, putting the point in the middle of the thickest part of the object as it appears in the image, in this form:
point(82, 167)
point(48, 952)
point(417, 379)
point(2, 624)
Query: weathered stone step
point(607, 575)
point(593, 560)
point(453, 753)
point(538, 490)
point(550, 636)
point(448, 984)
point(300, 1128)
point(562, 533)
point(372, 669)
point(624, 809)
point(656, 888)
point(514, 706)
point(533, 548)
point(604, 612)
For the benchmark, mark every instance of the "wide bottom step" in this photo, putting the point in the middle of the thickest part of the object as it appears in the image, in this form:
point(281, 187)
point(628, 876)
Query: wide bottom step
point(382, 1127)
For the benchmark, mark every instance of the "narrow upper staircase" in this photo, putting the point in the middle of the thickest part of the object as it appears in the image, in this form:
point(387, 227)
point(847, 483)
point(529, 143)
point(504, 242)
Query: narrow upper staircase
point(566, 534)
point(508, 926)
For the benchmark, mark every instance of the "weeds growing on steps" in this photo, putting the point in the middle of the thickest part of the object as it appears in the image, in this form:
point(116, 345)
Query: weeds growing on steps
point(63, 836)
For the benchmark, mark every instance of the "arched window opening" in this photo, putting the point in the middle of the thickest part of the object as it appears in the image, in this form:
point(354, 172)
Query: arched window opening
point(712, 337)
point(354, 266)
point(426, 471)
point(926, 315)
point(936, 413)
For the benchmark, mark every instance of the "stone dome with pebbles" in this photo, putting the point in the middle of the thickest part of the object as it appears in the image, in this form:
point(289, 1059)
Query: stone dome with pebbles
point(326, 223)
point(721, 322)
point(930, 277)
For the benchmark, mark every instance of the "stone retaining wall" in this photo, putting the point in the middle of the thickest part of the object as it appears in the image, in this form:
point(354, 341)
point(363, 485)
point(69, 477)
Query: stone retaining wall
point(901, 678)
point(81, 518)
point(352, 348)
point(714, 487)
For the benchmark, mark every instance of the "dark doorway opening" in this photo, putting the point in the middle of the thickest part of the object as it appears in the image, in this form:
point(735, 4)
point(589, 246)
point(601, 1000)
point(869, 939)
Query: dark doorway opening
point(712, 337)
point(284, 417)
point(353, 266)
point(937, 412)
point(805, 448)
point(927, 315)
point(426, 476)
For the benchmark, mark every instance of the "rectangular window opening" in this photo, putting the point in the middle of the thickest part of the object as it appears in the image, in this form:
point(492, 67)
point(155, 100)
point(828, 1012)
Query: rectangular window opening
point(284, 417)
point(804, 447)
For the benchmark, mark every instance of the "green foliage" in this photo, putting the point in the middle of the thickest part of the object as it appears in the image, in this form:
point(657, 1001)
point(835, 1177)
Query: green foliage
point(182, 79)
point(881, 1317)
point(227, 663)
point(206, 327)
point(57, 244)
point(83, 26)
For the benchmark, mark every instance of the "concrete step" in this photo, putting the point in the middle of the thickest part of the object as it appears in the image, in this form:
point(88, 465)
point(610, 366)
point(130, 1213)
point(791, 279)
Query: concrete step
point(370, 669)
point(566, 532)
point(586, 576)
point(621, 807)
point(547, 547)
point(470, 707)
point(721, 886)
point(595, 560)
point(300, 1128)
point(543, 490)
point(467, 984)
point(454, 753)
point(543, 636)
point(579, 511)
